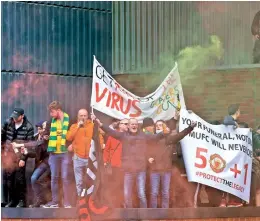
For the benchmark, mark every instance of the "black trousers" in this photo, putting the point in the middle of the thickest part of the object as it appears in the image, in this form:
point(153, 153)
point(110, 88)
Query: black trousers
point(256, 52)
point(14, 184)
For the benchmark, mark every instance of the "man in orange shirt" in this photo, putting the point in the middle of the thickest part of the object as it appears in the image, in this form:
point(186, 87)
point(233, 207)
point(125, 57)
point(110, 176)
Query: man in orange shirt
point(80, 134)
point(112, 156)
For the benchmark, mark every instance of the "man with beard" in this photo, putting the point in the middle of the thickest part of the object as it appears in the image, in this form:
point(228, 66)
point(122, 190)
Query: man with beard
point(59, 158)
point(16, 129)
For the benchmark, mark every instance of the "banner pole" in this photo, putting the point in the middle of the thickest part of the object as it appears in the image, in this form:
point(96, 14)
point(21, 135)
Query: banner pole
point(92, 112)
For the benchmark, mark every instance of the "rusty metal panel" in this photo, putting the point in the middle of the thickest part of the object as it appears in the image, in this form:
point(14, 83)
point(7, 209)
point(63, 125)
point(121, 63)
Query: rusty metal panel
point(146, 33)
point(34, 92)
point(50, 39)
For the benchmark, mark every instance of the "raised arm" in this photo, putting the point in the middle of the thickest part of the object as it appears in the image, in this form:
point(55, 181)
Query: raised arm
point(48, 128)
point(159, 136)
point(175, 138)
point(113, 133)
point(33, 144)
point(101, 139)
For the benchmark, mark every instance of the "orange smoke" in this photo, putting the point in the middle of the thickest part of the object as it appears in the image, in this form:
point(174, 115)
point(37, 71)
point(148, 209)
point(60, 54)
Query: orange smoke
point(19, 61)
point(28, 88)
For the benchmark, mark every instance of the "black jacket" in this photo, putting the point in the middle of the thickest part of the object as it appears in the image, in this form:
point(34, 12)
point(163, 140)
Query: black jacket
point(162, 152)
point(256, 24)
point(256, 143)
point(134, 147)
point(229, 120)
point(24, 133)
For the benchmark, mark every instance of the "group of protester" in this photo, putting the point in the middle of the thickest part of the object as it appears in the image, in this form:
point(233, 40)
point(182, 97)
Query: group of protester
point(132, 154)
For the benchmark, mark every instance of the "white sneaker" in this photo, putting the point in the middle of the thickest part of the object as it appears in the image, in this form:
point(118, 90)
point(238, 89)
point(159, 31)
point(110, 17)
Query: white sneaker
point(51, 205)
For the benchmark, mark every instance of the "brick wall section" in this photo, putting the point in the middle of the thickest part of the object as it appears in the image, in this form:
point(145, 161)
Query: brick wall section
point(212, 219)
point(216, 90)
point(210, 92)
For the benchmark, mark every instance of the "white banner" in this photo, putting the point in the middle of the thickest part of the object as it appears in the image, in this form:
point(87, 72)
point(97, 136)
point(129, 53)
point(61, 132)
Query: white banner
point(109, 97)
point(217, 155)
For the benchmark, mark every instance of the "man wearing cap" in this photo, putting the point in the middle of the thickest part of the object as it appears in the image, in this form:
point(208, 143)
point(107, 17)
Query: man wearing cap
point(16, 129)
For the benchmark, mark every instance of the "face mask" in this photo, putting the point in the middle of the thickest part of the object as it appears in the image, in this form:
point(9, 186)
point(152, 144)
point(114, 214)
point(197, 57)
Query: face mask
point(159, 131)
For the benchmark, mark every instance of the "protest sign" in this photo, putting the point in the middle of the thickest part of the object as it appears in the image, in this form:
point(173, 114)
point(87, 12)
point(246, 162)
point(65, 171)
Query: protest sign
point(217, 155)
point(109, 97)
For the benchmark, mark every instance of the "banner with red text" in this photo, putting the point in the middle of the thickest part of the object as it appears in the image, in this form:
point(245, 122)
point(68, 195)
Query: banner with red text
point(217, 155)
point(109, 97)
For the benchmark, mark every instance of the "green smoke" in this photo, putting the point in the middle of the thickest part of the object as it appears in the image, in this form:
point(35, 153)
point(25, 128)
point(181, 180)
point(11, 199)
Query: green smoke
point(192, 59)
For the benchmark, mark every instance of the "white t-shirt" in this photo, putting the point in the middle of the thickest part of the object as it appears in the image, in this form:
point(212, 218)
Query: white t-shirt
point(17, 125)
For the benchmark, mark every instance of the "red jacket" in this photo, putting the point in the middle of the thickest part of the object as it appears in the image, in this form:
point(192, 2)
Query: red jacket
point(112, 152)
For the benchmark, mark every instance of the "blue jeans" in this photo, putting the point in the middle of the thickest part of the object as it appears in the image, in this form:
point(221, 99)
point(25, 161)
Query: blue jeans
point(155, 178)
point(36, 186)
point(140, 178)
point(80, 171)
point(59, 164)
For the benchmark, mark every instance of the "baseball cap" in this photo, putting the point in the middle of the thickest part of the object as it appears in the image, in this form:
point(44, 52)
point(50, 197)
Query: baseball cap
point(39, 124)
point(17, 112)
